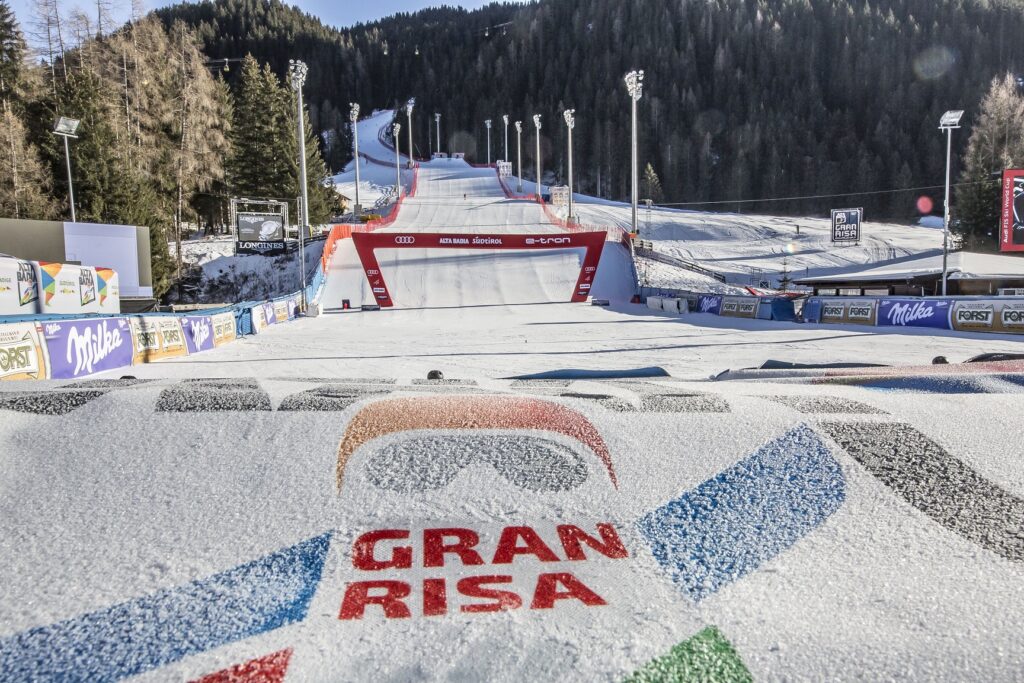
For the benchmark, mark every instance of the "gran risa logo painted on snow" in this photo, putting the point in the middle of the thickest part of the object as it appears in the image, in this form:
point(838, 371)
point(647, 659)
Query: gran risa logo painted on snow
point(490, 587)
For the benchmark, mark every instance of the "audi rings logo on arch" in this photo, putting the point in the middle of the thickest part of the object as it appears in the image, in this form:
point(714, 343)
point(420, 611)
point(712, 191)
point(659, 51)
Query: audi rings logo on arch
point(405, 239)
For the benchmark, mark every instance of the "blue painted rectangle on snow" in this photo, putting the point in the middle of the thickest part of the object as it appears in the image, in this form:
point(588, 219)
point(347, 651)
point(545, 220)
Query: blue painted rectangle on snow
point(163, 627)
point(730, 525)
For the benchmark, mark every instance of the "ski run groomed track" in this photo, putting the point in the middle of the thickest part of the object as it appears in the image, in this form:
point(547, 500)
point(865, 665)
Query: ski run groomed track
point(303, 505)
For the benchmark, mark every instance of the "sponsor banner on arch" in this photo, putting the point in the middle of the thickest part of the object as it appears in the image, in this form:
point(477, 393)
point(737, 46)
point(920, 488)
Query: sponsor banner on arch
point(989, 315)
point(157, 337)
point(915, 313)
point(77, 348)
point(22, 352)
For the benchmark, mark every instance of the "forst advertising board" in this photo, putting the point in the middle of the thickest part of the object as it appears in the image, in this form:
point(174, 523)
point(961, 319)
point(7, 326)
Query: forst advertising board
point(915, 313)
point(1011, 223)
point(224, 330)
point(846, 224)
point(858, 312)
point(739, 307)
point(989, 315)
point(22, 352)
point(157, 337)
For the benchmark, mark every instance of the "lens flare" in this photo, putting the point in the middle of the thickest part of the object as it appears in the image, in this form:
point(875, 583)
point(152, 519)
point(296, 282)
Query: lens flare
point(934, 62)
point(925, 204)
point(792, 248)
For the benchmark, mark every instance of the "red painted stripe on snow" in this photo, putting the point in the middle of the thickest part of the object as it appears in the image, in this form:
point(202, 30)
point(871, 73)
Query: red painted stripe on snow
point(268, 669)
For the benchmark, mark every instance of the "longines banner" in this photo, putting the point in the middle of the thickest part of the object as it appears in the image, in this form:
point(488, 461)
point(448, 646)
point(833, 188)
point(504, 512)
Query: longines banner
point(1011, 224)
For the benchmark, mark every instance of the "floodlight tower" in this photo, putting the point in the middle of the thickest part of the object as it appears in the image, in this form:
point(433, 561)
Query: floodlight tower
point(635, 86)
point(504, 117)
point(353, 116)
point(487, 124)
point(398, 162)
point(570, 123)
point(536, 123)
point(66, 128)
point(519, 154)
point(949, 122)
point(297, 71)
point(408, 119)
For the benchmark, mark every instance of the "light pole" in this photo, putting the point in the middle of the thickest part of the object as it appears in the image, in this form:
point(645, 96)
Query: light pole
point(66, 129)
point(408, 117)
point(504, 118)
point(437, 120)
point(519, 154)
point(353, 116)
point(487, 123)
point(634, 85)
point(949, 121)
point(536, 123)
point(297, 73)
point(398, 163)
point(570, 123)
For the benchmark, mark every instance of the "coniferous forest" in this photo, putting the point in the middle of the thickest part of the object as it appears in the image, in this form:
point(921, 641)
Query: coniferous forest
point(743, 100)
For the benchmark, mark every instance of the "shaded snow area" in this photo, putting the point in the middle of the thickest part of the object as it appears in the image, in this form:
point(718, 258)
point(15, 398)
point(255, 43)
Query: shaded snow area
point(215, 274)
point(661, 275)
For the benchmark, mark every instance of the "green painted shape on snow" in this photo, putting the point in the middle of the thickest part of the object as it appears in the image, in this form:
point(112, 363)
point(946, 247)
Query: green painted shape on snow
point(706, 657)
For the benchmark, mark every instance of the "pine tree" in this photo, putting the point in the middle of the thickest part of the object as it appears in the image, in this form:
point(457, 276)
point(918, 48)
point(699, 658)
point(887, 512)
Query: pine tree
point(25, 182)
point(650, 185)
point(995, 144)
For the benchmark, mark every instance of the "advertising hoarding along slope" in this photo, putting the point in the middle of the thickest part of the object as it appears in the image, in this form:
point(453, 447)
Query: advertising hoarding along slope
point(1011, 223)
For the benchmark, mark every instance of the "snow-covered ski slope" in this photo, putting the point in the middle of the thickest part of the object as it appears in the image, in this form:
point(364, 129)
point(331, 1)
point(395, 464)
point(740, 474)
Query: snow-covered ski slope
point(455, 197)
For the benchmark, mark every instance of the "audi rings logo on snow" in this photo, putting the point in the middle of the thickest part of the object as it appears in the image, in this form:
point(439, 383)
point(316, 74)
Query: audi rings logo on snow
point(405, 239)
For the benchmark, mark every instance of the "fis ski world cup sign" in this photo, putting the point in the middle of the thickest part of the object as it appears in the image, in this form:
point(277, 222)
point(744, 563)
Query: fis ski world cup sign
point(914, 313)
point(1011, 224)
point(846, 225)
point(366, 245)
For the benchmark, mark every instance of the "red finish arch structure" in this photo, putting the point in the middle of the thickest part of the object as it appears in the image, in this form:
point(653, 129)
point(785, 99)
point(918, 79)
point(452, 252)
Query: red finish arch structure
point(366, 245)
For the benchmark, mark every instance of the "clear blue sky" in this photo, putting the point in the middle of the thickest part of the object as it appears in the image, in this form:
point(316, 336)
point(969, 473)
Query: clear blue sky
point(331, 12)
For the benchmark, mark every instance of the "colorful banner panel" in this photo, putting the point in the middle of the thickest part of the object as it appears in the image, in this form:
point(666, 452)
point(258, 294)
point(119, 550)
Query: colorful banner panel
point(66, 289)
point(108, 289)
point(22, 352)
point(81, 347)
point(18, 293)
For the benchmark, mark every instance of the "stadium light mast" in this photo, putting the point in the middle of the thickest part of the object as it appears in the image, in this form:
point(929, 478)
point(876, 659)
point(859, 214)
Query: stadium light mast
point(635, 86)
point(353, 116)
point(536, 123)
point(519, 154)
point(504, 117)
point(398, 162)
point(297, 71)
point(570, 123)
point(949, 121)
point(408, 119)
point(437, 120)
point(487, 123)
point(66, 129)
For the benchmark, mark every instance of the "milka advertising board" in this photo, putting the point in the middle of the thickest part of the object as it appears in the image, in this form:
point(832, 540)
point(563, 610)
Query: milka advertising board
point(989, 315)
point(198, 333)
point(18, 292)
point(77, 348)
point(914, 313)
point(709, 303)
point(22, 352)
point(66, 288)
point(157, 337)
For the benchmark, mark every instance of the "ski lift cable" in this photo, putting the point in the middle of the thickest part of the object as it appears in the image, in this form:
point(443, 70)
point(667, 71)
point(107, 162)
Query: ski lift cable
point(824, 196)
